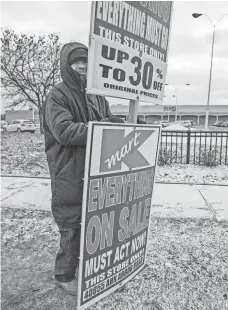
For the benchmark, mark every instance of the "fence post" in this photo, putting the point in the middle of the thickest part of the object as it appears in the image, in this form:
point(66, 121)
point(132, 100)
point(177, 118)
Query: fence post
point(188, 145)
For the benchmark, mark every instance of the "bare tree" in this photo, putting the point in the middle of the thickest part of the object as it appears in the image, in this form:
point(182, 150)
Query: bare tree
point(30, 66)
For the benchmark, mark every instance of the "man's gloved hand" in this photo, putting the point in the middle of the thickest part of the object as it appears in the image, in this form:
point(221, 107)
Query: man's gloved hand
point(112, 119)
point(116, 119)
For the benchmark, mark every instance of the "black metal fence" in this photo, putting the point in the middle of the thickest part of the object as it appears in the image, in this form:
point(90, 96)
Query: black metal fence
point(195, 147)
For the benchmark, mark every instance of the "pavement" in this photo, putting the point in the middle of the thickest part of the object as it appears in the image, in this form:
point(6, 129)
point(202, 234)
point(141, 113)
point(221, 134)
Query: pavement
point(168, 200)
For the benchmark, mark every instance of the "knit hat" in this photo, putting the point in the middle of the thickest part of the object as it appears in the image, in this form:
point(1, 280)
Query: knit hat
point(77, 55)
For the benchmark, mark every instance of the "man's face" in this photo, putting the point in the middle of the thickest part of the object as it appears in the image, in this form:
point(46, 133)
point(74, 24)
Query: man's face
point(80, 67)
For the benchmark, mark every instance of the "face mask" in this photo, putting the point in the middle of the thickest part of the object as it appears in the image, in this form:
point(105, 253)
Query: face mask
point(80, 67)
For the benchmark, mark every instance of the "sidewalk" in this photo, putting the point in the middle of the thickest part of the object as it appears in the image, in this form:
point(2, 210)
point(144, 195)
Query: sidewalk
point(169, 200)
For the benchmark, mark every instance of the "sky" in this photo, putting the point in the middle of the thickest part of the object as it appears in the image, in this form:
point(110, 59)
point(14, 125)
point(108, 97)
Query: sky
point(189, 50)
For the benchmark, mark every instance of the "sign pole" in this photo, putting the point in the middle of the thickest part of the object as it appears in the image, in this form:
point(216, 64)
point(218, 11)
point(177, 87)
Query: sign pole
point(133, 111)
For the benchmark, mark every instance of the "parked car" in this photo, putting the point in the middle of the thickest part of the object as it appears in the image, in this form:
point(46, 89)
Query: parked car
point(224, 124)
point(3, 123)
point(187, 123)
point(163, 123)
point(218, 124)
point(20, 126)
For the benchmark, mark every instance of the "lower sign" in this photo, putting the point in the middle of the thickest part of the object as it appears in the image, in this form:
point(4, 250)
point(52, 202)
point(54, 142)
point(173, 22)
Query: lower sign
point(119, 71)
point(116, 207)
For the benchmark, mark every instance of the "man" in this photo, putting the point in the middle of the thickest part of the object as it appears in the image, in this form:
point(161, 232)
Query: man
point(67, 112)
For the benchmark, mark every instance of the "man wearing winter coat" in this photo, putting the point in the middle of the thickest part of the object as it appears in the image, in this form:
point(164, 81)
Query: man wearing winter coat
point(67, 111)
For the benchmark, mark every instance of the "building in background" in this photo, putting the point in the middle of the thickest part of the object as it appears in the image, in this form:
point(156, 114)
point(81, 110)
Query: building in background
point(149, 113)
point(152, 113)
point(31, 114)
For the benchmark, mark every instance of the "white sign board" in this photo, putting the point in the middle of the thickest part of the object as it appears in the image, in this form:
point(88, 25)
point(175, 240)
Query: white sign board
point(121, 70)
point(118, 187)
point(128, 49)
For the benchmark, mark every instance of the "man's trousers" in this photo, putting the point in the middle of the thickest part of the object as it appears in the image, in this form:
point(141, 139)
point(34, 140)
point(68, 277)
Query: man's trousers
point(67, 258)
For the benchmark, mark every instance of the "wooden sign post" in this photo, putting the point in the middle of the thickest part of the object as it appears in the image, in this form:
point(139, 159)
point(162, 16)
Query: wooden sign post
point(133, 111)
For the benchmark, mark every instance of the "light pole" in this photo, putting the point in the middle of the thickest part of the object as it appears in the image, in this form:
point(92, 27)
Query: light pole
point(167, 110)
point(196, 15)
point(176, 95)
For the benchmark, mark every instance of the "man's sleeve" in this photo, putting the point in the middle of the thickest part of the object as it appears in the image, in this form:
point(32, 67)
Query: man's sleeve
point(108, 111)
point(60, 122)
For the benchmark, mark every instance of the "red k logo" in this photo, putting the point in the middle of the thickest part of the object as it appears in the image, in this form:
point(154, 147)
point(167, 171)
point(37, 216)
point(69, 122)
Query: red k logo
point(116, 148)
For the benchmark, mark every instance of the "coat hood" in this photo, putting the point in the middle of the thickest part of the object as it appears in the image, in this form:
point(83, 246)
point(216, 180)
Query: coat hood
point(69, 76)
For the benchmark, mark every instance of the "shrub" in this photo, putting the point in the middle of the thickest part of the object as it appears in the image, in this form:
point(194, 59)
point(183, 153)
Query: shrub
point(165, 157)
point(208, 157)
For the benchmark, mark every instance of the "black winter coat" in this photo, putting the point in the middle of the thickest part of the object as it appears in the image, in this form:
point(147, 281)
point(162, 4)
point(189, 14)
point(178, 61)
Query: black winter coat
point(66, 112)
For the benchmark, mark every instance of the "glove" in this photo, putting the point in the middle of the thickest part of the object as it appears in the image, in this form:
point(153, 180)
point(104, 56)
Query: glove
point(115, 119)
point(112, 119)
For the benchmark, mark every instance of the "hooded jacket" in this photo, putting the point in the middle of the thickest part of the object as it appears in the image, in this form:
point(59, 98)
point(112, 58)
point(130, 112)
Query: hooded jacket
point(67, 110)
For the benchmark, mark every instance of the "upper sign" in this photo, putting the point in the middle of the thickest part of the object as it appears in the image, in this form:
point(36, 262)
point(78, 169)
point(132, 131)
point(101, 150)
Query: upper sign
point(128, 49)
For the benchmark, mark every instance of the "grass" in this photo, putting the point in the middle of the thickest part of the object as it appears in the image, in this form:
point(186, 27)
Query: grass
point(187, 266)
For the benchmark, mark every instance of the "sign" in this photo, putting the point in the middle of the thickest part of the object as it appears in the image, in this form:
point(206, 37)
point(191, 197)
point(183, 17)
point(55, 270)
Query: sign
point(128, 49)
point(118, 186)
point(168, 108)
point(123, 73)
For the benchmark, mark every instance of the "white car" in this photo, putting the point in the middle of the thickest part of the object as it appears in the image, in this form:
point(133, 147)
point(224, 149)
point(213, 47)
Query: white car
point(3, 123)
point(20, 125)
point(187, 123)
point(163, 123)
point(176, 126)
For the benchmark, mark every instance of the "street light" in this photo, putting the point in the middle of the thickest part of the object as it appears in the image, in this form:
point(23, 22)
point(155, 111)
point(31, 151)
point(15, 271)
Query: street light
point(196, 15)
point(176, 95)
